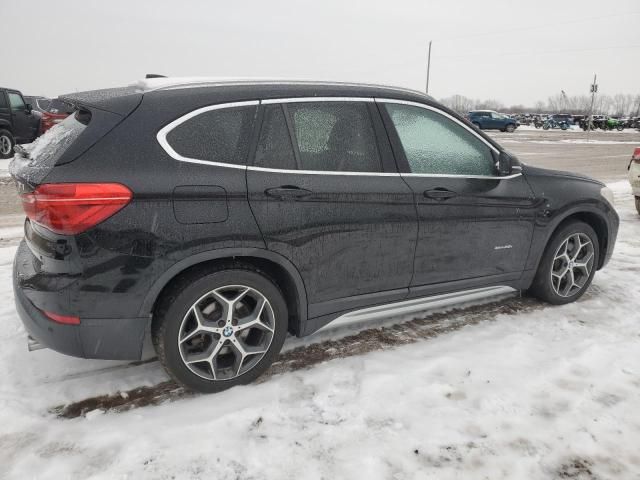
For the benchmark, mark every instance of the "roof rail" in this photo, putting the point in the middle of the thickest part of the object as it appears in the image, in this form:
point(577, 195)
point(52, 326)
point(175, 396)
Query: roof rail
point(152, 83)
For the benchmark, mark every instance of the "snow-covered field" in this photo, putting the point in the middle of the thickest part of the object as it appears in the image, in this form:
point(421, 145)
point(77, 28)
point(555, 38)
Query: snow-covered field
point(545, 393)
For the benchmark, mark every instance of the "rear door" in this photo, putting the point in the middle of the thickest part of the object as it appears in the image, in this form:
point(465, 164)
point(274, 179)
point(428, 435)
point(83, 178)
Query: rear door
point(473, 223)
point(325, 191)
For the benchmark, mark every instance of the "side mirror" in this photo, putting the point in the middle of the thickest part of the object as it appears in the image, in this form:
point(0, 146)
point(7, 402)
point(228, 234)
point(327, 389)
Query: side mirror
point(28, 108)
point(504, 164)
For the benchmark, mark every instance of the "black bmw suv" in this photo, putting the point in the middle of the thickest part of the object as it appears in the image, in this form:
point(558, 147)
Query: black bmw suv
point(218, 217)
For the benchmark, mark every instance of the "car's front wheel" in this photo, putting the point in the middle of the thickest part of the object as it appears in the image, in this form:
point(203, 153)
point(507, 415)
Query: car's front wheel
point(510, 128)
point(6, 144)
point(215, 330)
point(568, 264)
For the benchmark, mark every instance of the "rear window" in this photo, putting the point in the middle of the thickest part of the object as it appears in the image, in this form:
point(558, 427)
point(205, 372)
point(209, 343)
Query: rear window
point(41, 156)
point(220, 135)
point(57, 106)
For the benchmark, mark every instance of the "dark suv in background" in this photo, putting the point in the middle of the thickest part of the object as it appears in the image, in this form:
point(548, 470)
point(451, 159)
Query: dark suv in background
point(18, 124)
point(490, 120)
point(224, 216)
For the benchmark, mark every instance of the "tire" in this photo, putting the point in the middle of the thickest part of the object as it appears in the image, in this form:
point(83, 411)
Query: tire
point(7, 143)
point(477, 125)
point(205, 292)
point(510, 128)
point(545, 126)
point(553, 289)
point(563, 126)
point(620, 128)
point(638, 205)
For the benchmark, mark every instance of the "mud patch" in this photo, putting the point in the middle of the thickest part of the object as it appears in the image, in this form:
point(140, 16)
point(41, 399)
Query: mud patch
point(304, 357)
point(576, 468)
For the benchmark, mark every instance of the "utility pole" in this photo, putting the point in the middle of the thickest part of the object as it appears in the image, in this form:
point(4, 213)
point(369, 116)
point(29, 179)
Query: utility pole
point(428, 66)
point(594, 90)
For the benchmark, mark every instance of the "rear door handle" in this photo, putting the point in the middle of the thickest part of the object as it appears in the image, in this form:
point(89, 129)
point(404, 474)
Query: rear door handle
point(287, 191)
point(439, 193)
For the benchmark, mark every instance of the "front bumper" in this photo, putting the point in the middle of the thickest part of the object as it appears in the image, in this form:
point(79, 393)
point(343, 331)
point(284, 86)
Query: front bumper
point(100, 338)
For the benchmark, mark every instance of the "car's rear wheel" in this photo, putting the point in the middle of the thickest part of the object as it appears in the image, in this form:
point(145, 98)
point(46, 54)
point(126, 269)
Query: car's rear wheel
point(510, 128)
point(477, 125)
point(216, 330)
point(6, 144)
point(568, 264)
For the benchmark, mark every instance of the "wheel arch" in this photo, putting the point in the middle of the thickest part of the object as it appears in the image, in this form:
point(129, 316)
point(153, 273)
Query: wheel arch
point(276, 267)
point(595, 221)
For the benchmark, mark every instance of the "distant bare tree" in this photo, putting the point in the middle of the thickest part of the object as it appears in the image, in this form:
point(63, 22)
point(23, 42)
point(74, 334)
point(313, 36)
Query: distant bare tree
point(490, 105)
point(517, 109)
point(540, 107)
point(619, 104)
point(459, 103)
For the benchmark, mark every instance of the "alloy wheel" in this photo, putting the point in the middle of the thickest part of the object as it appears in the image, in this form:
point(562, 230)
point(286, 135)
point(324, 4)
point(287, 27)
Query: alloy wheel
point(226, 332)
point(572, 265)
point(5, 145)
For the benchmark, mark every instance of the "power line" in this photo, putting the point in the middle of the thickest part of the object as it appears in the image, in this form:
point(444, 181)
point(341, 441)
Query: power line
point(538, 27)
point(527, 54)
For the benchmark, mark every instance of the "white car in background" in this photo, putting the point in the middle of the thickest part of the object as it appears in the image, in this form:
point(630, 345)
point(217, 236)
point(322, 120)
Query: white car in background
point(634, 176)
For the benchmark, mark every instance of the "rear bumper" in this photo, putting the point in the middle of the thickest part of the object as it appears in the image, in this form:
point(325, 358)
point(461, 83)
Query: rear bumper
point(100, 338)
point(634, 178)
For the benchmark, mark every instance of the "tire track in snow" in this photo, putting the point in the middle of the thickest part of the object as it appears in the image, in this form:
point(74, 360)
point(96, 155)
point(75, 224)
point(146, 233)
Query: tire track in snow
point(365, 341)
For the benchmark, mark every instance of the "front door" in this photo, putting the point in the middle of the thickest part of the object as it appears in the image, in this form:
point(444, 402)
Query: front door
point(473, 223)
point(23, 122)
point(326, 194)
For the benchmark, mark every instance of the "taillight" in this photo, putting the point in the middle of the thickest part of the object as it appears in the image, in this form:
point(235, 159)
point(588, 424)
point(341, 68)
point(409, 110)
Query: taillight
point(636, 155)
point(71, 208)
point(65, 319)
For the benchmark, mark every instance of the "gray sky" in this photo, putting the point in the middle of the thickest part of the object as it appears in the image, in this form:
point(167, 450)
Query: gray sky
point(513, 51)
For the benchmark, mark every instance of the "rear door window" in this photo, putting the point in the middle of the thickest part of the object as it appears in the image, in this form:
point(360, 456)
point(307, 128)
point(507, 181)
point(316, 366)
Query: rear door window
point(334, 136)
point(3, 100)
point(219, 135)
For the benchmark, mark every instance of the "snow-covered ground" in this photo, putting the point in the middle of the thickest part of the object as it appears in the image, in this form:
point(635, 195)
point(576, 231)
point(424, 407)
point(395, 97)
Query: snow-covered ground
point(4, 167)
point(546, 393)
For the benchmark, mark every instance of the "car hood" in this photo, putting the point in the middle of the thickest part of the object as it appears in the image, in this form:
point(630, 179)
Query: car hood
point(546, 172)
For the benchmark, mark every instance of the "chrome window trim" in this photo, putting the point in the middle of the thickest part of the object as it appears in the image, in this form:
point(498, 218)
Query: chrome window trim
point(323, 172)
point(161, 136)
point(271, 101)
point(444, 175)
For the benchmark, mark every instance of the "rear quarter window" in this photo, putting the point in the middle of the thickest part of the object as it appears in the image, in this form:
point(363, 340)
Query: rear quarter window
point(218, 135)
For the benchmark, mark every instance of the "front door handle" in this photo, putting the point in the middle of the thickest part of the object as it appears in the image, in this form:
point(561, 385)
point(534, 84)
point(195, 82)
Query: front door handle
point(440, 193)
point(287, 191)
